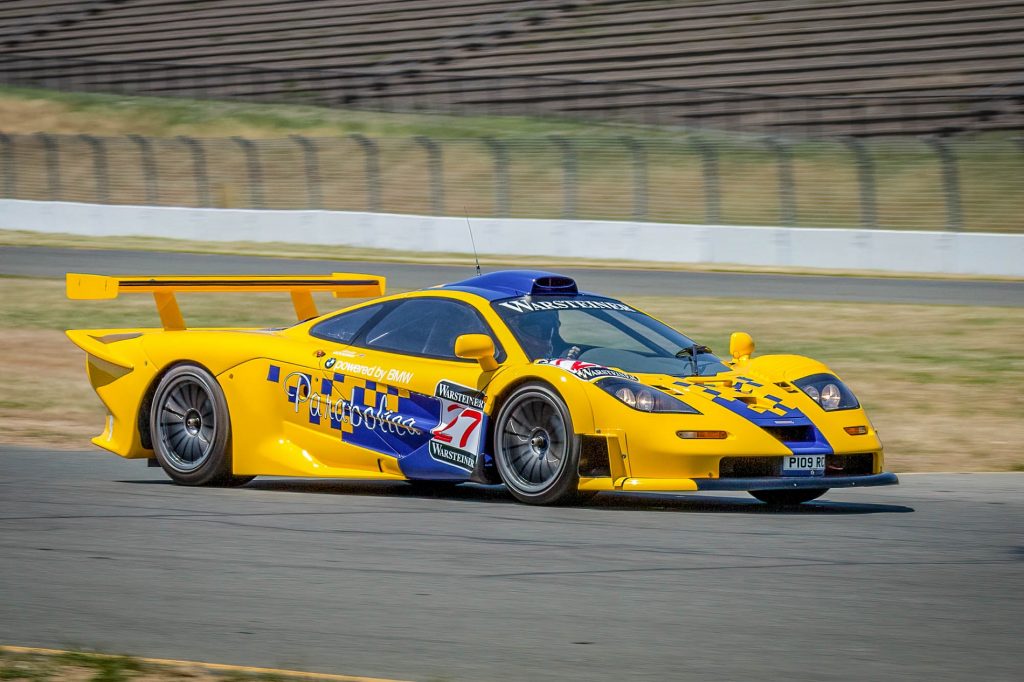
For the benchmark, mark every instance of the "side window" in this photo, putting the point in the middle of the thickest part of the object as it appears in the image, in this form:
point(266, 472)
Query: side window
point(426, 326)
point(344, 327)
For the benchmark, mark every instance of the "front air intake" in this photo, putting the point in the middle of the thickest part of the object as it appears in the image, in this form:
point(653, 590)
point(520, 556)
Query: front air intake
point(792, 434)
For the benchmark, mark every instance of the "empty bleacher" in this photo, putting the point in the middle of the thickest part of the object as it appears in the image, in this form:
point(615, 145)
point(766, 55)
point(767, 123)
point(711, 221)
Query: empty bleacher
point(828, 67)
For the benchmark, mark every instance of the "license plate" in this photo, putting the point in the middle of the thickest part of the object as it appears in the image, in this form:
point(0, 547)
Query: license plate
point(803, 465)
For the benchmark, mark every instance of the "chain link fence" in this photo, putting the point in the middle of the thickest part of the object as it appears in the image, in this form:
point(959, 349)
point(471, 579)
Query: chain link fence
point(931, 183)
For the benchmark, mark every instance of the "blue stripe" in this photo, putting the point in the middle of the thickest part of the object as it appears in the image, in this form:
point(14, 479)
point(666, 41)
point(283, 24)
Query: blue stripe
point(793, 417)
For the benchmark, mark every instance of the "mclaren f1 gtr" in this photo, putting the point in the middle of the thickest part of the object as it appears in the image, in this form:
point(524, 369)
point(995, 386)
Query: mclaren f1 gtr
point(513, 377)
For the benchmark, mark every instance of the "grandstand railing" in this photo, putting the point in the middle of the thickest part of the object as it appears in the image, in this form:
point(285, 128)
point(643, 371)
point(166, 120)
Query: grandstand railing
point(968, 183)
point(1000, 107)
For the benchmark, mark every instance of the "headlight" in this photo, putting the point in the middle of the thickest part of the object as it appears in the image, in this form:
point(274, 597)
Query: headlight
point(828, 391)
point(644, 398)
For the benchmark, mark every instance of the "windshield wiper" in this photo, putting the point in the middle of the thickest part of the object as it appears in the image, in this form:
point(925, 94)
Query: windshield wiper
point(692, 352)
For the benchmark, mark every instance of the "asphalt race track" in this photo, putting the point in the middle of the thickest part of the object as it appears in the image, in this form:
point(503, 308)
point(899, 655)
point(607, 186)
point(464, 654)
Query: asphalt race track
point(919, 581)
point(55, 262)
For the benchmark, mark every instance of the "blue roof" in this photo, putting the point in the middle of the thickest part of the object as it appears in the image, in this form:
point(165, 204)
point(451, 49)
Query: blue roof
point(512, 283)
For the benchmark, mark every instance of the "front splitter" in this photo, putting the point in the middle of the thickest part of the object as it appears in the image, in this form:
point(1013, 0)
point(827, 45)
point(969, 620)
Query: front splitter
point(796, 482)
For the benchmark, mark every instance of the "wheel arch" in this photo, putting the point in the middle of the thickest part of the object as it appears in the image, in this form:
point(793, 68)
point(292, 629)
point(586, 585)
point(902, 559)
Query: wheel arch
point(569, 388)
point(146, 404)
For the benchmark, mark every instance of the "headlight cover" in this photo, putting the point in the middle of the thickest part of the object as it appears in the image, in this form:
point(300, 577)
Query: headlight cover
point(829, 392)
point(643, 398)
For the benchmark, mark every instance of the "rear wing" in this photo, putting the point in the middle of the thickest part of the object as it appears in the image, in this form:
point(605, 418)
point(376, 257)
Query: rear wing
point(84, 287)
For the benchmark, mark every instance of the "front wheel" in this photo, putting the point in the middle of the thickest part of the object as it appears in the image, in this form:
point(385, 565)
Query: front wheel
point(788, 498)
point(191, 428)
point(535, 449)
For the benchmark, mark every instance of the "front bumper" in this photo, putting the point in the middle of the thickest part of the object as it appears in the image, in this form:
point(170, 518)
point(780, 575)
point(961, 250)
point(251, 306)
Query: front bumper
point(795, 482)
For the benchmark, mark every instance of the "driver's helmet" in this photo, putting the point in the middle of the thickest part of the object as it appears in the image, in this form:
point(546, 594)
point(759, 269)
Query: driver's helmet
point(537, 332)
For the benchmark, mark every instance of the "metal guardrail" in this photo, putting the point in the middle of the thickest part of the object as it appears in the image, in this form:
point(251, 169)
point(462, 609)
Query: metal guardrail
point(968, 183)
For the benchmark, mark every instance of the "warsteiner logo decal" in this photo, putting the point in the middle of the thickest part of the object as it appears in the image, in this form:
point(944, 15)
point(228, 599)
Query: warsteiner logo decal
point(529, 305)
point(460, 394)
point(587, 371)
point(449, 455)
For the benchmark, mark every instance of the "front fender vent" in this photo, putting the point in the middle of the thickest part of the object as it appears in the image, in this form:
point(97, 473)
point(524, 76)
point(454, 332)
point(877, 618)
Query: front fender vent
point(594, 458)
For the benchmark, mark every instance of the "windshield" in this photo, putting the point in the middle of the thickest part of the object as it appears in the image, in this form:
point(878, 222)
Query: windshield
point(605, 332)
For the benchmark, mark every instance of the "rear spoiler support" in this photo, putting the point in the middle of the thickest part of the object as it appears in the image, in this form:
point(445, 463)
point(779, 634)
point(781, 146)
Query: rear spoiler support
point(340, 284)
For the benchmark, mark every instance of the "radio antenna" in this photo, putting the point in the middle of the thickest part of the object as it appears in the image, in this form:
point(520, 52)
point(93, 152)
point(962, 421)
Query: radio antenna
point(472, 241)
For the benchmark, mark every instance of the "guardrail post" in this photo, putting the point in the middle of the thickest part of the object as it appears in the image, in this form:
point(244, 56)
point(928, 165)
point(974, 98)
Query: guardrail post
point(99, 167)
point(436, 172)
point(639, 162)
point(198, 170)
point(252, 161)
point(501, 183)
point(866, 180)
point(314, 190)
point(787, 188)
point(371, 156)
point(570, 185)
point(148, 167)
point(52, 165)
point(950, 183)
point(8, 172)
point(709, 171)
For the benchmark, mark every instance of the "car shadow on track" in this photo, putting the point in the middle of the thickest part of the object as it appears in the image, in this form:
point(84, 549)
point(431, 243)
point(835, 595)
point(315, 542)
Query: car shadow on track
point(640, 502)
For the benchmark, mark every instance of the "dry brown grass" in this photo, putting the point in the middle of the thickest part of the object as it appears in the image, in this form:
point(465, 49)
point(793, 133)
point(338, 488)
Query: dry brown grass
point(941, 383)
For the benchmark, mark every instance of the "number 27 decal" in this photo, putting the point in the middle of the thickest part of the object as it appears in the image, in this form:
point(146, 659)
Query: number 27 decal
point(461, 428)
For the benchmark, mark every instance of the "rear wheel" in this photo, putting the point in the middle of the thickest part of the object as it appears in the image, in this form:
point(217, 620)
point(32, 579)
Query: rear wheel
point(191, 428)
point(535, 449)
point(788, 498)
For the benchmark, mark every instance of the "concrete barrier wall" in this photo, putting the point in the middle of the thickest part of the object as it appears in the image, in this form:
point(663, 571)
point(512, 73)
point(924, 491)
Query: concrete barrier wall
point(836, 249)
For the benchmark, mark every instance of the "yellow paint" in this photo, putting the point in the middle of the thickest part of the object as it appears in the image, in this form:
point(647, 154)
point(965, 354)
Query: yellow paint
point(221, 667)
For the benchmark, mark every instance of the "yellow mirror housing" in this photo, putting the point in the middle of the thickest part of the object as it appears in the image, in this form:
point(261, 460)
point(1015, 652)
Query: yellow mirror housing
point(477, 347)
point(741, 346)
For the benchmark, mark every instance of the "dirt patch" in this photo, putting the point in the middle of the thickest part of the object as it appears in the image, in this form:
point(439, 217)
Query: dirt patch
point(20, 663)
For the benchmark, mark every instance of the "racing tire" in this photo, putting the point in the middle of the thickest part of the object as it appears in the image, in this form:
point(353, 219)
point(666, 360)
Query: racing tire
point(191, 429)
point(535, 449)
point(788, 498)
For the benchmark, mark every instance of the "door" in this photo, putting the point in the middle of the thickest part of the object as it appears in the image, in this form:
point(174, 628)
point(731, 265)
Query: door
point(399, 398)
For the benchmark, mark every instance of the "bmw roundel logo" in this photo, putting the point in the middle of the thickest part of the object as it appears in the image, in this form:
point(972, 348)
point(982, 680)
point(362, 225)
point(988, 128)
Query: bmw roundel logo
point(330, 363)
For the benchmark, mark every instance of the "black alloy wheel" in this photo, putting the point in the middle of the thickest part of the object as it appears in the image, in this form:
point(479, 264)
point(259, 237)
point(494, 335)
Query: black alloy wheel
point(191, 428)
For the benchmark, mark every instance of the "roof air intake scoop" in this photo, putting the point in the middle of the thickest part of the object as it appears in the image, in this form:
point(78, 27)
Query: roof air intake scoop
point(554, 285)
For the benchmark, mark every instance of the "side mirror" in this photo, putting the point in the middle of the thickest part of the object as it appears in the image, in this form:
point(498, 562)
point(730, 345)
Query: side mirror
point(477, 347)
point(741, 346)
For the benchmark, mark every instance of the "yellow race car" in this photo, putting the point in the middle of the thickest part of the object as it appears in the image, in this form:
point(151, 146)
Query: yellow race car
point(512, 377)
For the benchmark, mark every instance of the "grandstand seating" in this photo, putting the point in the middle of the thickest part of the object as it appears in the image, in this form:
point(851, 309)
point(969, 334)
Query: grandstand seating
point(829, 66)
